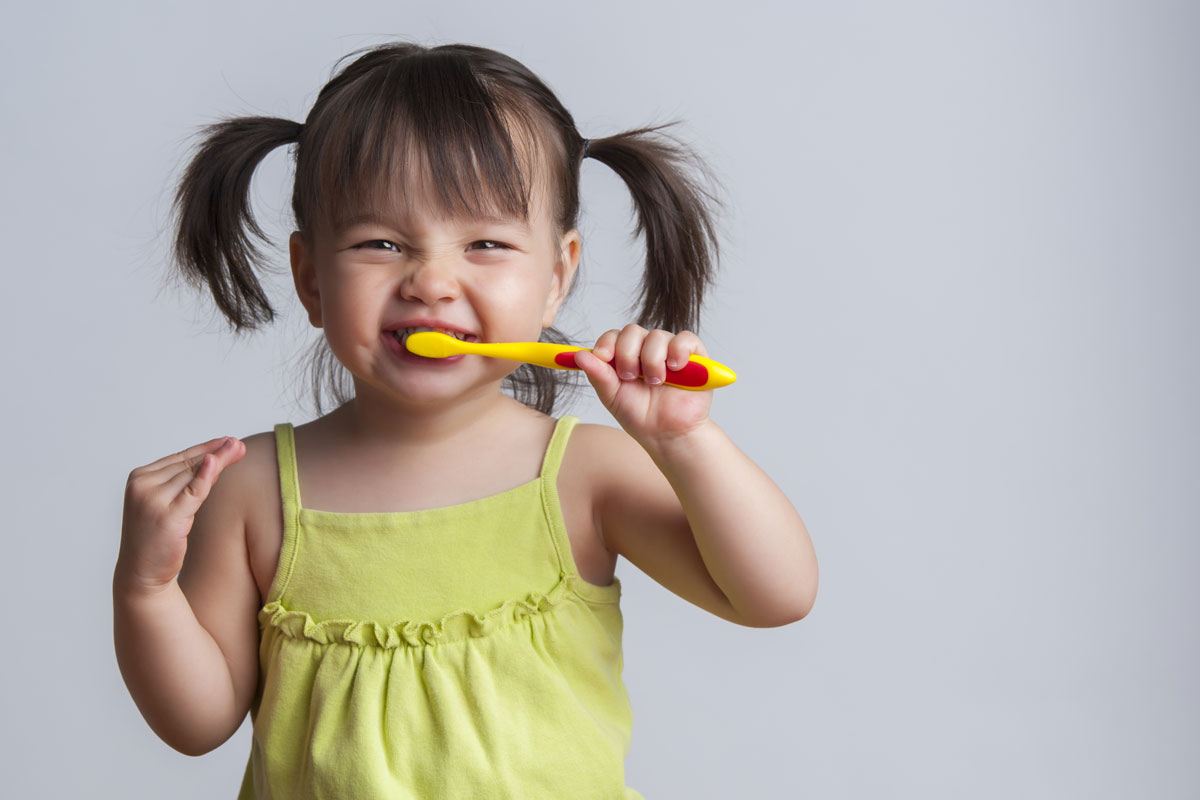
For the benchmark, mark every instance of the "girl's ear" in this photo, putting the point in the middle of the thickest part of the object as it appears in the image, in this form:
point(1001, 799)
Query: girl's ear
point(304, 273)
point(569, 250)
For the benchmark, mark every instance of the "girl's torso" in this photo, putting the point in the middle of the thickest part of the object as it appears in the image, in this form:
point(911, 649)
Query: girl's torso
point(329, 482)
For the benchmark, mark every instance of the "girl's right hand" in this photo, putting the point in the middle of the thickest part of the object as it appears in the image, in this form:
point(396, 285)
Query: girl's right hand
point(161, 500)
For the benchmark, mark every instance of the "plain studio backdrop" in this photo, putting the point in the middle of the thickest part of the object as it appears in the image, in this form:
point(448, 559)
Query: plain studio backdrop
point(959, 286)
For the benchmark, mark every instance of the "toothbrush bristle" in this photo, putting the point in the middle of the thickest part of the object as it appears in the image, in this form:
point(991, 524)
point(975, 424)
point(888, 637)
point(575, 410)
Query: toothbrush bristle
point(431, 344)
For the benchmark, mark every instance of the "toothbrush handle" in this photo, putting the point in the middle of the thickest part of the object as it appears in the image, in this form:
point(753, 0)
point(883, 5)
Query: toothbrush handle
point(693, 375)
point(699, 374)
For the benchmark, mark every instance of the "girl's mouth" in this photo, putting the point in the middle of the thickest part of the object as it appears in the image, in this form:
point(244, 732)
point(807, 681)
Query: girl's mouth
point(402, 334)
point(394, 340)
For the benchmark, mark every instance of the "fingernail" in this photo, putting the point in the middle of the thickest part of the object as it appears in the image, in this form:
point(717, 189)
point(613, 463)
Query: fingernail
point(654, 381)
point(627, 376)
point(673, 364)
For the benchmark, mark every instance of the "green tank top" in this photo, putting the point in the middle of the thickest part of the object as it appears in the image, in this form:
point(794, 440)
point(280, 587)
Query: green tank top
point(449, 652)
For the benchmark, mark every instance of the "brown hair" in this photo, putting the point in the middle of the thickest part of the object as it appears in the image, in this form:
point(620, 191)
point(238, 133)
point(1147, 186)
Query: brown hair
point(482, 125)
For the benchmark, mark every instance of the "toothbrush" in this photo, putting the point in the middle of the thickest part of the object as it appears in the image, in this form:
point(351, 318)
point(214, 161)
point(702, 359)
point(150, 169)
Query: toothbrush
point(698, 375)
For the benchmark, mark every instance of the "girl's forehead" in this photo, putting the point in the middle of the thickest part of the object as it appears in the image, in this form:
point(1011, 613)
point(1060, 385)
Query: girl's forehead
point(410, 205)
point(400, 165)
point(409, 219)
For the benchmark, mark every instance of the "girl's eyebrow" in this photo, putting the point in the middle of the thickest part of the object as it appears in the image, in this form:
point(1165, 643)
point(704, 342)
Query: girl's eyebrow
point(374, 219)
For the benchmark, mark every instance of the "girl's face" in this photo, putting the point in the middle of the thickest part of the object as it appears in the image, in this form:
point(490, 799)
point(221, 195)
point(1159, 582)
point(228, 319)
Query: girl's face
point(495, 280)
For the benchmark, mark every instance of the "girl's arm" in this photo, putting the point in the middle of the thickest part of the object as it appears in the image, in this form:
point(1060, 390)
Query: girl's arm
point(189, 660)
point(703, 521)
point(682, 502)
point(174, 669)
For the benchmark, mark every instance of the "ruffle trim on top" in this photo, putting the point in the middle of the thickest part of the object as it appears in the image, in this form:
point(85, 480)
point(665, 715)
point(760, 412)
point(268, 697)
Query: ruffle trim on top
point(452, 627)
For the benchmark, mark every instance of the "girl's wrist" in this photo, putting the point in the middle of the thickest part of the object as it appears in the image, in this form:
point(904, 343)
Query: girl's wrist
point(127, 586)
point(685, 446)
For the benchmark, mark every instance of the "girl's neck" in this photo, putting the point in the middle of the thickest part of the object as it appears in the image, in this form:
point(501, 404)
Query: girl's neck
point(369, 422)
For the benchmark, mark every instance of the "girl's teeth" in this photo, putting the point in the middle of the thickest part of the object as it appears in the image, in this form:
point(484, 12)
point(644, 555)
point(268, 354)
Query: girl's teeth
point(402, 334)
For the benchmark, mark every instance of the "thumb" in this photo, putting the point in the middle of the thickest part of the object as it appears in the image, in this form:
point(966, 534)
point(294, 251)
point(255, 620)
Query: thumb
point(601, 375)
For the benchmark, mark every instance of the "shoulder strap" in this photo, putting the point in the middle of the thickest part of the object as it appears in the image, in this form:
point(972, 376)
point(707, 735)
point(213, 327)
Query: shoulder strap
point(289, 490)
point(289, 481)
point(557, 446)
point(551, 506)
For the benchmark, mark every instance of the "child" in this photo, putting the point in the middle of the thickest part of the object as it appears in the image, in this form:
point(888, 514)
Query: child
point(427, 607)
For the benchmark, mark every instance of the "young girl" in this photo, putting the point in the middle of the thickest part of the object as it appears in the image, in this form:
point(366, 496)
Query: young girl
point(413, 594)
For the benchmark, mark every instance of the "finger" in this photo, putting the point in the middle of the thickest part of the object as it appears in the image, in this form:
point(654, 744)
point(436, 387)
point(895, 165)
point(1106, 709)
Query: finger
point(605, 344)
point(188, 490)
point(602, 376)
point(629, 351)
point(192, 454)
point(226, 452)
point(654, 356)
point(681, 348)
point(190, 487)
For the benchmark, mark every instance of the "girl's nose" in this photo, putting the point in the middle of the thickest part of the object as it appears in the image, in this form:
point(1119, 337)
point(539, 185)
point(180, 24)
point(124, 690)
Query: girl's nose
point(431, 280)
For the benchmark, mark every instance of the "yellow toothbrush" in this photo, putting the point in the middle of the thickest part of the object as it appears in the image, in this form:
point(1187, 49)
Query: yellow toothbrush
point(699, 374)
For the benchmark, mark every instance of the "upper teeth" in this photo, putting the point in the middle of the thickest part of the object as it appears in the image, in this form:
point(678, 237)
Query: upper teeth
point(402, 333)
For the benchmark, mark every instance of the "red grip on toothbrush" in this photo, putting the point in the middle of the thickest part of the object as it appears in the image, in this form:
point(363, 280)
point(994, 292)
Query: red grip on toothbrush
point(692, 374)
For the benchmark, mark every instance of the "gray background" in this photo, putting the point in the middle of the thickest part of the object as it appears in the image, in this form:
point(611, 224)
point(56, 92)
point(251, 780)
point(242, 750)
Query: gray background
point(959, 287)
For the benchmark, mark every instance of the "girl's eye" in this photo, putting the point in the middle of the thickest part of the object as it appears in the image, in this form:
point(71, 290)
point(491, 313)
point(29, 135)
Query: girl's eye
point(384, 244)
point(370, 245)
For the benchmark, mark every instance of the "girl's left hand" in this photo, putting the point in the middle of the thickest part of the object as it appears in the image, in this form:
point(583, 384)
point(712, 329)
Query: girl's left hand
point(650, 412)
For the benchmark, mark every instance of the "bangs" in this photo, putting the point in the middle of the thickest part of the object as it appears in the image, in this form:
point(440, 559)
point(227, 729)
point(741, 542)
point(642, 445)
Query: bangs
point(423, 134)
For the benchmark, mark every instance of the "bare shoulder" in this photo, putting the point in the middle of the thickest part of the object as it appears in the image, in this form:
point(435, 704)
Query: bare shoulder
point(576, 484)
point(584, 467)
point(604, 463)
point(259, 464)
point(255, 481)
point(591, 441)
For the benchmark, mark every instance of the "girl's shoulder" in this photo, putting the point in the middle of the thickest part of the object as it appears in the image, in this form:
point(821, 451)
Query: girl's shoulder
point(593, 447)
point(598, 464)
point(602, 448)
point(257, 477)
point(584, 479)
point(258, 469)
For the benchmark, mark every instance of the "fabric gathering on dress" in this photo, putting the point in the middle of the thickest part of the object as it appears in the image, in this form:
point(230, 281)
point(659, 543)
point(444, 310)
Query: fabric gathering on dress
point(450, 652)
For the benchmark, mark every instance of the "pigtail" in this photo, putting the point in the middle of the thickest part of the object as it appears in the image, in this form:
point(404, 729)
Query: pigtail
point(675, 217)
point(212, 209)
